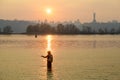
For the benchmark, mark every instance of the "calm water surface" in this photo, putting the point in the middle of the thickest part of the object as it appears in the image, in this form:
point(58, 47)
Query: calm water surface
point(76, 57)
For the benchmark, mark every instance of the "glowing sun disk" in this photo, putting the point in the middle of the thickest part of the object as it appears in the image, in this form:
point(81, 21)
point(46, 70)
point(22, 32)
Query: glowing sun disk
point(48, 11)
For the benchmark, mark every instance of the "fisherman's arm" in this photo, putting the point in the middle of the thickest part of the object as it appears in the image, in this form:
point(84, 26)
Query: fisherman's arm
point(44, 56)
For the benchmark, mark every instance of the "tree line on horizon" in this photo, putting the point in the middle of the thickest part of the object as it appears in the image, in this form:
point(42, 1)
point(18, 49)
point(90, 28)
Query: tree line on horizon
point(45, 28)
point(6, 30)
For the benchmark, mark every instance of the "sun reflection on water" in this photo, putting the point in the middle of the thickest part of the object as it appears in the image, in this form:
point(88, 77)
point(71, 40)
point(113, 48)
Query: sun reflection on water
point(49, 39)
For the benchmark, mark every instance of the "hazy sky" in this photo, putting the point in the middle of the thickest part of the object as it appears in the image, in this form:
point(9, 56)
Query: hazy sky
point(106, 10)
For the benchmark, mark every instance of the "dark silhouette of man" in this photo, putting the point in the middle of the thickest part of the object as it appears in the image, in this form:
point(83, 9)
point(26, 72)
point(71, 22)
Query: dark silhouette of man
point(49, 60)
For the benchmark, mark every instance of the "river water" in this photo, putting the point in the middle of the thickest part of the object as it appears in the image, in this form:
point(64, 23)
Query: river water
point(76, 57)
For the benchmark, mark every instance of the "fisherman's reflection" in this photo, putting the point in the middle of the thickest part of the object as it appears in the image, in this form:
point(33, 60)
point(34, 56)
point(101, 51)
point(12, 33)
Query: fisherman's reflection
point(49, 75)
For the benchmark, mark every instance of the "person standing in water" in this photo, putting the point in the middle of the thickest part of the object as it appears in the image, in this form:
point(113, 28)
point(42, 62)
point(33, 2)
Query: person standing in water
point(49, 60)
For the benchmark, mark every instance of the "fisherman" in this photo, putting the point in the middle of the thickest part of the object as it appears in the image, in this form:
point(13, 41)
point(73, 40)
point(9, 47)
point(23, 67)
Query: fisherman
point(49, 60)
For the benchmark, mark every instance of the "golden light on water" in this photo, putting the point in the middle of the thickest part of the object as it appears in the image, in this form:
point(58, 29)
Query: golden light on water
point(49, 39)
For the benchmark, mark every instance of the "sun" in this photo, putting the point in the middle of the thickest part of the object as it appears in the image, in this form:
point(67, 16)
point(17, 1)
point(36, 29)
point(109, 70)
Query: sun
point(48, 10)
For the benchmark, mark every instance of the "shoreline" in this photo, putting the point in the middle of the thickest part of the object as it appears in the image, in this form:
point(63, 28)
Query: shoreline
point(59, 34)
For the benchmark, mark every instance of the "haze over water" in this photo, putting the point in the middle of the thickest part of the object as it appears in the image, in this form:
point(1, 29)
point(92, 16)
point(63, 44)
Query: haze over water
point(76, 57)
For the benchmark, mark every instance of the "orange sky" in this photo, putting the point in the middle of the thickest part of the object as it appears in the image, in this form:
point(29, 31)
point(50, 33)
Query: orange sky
point(62, 10)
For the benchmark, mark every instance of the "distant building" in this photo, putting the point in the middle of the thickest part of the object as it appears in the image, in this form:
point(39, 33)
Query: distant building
point(106, 27)
point(78, 24)
point(94, 17)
